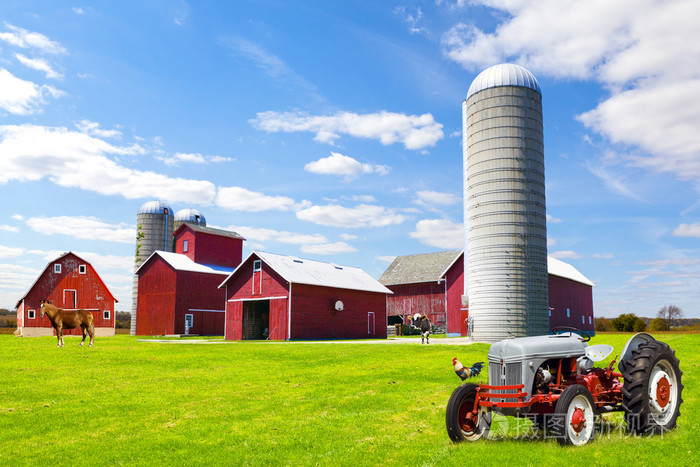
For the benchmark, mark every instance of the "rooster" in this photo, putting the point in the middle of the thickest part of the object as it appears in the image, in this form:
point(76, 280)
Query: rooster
point(465, 373)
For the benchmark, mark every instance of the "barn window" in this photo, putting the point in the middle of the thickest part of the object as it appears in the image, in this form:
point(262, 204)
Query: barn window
point(57, 268)
point(583, 320)
point(31, 314)
point(82, 269)
point(184, 246)
point(105, 314)
point(257, 265)
point(568, 313)
point(590, 320)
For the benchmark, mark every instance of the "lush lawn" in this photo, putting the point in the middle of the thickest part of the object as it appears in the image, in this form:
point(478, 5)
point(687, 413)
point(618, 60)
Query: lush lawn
point(129, 402)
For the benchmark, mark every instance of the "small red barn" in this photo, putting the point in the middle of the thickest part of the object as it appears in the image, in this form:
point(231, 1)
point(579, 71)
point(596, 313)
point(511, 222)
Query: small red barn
point(178, 296)
point(68, 282)
point(297, 298)
point(178, 292)
point(433, 284)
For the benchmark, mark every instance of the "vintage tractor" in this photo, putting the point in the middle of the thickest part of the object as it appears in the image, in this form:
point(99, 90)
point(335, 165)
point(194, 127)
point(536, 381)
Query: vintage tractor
point(552, 381)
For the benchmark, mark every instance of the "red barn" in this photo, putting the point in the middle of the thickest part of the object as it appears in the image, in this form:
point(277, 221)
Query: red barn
point(433, 284)
point(302, 299)
point(178, 296)
point(68, 282)
point(206, 245)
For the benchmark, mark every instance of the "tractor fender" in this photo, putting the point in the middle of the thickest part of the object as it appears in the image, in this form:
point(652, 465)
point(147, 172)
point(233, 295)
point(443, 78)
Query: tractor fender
point(632, 345)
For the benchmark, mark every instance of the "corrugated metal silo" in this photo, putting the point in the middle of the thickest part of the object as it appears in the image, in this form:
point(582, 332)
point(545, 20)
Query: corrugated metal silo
point(189, 215)
point(154, 222)
point(504, 203)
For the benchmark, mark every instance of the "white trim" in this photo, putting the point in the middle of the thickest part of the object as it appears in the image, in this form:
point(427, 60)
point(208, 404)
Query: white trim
point(75, 303)
point(289, 314)
point(256, 299)
point(225, 310)
point(82, 269)
point(185, 246)
point(86, 309)
point(109, 314)
point(31, 312)
point(187, 328)
point(57, 268)
point(257, 267)
point(208, 311)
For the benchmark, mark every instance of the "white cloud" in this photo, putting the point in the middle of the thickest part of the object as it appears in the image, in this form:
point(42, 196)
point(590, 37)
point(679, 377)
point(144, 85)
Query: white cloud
point(192, 158)
point(348, 237)
point(93, 129)
point(262, 234)
point(432, 198)
point(565, 254)
point(440, 233)
point(413, 131)
point(604, 256)
point(39, 64)
point(386, 259)
point(24, 39)
point(646, 53)
point(553, 220)
point(76, 160)
point(339, 164)
point(9, 228)
point(411, 18)
point(328, 248)
point(83, 227)
point(687, 230)
point(21, 97)
point(10, 252)
point(363, 215)
point(241, 199)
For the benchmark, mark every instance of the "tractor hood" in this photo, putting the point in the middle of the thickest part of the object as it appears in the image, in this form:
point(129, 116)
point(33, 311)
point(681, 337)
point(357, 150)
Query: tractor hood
point(537, 347)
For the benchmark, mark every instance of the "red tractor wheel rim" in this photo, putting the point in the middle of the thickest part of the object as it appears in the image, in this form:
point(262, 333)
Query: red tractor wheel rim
point(467, 419)
point(663, 392)
point(578, 420)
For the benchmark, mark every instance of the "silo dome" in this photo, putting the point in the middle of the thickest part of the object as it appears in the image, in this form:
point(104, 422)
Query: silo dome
point(190, 215)
point(505, 74)
point(155, 207)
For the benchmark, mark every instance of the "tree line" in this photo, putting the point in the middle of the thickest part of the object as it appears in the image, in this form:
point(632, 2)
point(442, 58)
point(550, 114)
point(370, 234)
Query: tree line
point(666, 318)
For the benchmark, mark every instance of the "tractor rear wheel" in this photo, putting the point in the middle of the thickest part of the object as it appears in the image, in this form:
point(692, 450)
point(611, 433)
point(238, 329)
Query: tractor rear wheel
point(461, 422)
point(651, 391)
point(573, 421)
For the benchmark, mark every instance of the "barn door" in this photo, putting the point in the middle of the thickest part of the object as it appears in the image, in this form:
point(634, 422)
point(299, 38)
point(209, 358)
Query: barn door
point(70, 299)
point(370, 323)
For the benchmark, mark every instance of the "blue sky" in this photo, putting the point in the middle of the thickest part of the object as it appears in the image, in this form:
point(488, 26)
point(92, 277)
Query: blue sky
point(332, 131)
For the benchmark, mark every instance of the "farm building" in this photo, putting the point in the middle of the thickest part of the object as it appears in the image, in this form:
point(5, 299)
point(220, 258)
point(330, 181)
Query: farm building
point(433, 284)
point(297, 298)
point(68, 282)
point(178, 292)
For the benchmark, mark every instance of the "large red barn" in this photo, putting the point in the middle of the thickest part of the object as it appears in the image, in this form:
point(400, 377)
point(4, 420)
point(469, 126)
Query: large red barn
point(68, 282)
point(178, 292)
point(295, 298)
point(433, 284)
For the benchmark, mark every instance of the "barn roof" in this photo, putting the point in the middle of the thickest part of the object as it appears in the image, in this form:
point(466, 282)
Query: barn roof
point(427, 267)
point(210, 231)
point(305, 271)
point(56, 260)
point(181, 262)
point(559, 268)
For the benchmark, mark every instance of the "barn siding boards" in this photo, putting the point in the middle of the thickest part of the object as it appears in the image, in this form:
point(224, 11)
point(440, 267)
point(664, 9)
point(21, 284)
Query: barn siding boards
point(206, 245)
point(156, 298)
point(454, 284)
point(89, 290)
point(300, 310)
point(427, 298)
point(577, 298)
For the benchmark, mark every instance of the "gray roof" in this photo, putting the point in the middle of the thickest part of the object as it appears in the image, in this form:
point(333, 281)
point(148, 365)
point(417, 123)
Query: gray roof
point(212, 231)
point(505, 74)
point(428, 267)
point(154, 207)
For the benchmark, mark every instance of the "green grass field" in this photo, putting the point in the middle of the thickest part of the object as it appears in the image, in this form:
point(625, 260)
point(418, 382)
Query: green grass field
point(262, 403)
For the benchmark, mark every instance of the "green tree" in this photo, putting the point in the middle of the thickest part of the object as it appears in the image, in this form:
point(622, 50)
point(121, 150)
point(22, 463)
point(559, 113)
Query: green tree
point(639, 325)
point(669, 314)
point(603, 325)
point(628, 322)
point(658, 324)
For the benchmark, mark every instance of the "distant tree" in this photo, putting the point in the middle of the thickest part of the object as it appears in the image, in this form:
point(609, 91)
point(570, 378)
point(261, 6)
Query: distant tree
point(603, 325)
point(669, 314)
point(639, 325)
point(658, 324)
point(624, 322)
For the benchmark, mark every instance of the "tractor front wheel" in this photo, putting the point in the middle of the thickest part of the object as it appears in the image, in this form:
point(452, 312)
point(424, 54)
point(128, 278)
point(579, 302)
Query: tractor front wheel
point(573, 421)
point(462, 423)
point(651, 393)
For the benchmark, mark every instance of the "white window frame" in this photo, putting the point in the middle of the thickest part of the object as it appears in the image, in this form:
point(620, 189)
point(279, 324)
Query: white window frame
point(106, 314)
point(75, 305)
point(590, 320)
point(257, 265)
point(31, 314)
point(82, 269)
point(57, 268)
point(583, 320)
point(568, 312)
point(185, 245)
point(191, 320)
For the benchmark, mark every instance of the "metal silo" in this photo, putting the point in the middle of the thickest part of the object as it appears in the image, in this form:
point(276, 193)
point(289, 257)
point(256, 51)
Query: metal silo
point(190, 216)
point(154, 232)
point(504, 203)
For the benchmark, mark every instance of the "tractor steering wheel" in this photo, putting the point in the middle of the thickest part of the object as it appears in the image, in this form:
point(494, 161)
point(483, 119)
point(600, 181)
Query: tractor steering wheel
point(584, 336)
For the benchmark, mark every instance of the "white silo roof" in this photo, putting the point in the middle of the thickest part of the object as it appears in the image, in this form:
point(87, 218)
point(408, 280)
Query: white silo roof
point(189, 215)
point(505, 74)
point(154, 207)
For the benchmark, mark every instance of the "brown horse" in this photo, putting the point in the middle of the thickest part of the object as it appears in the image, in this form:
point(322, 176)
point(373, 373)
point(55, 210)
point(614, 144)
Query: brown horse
point(69, 319)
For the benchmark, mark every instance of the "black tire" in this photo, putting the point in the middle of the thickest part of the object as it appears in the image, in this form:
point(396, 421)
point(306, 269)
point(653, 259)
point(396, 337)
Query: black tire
point(652, 389)
point(573, 421)
point(460, 425)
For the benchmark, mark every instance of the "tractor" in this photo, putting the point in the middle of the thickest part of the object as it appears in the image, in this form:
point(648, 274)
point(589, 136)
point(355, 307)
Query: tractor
point(552, 381)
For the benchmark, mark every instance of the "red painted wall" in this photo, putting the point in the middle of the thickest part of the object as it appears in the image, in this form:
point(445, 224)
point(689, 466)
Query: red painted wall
point(427, 298)
point(577, 297)
point(155, 312)
point(199, 291)
point(90, 291)
point(455, 289)
point(210, 249)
